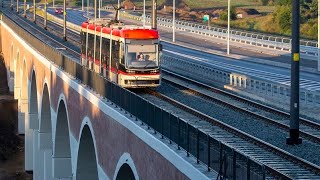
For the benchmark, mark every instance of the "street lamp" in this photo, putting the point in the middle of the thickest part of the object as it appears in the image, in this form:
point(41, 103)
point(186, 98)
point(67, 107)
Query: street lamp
point(118, 10)
point(174, 21)
point(24, 8)
point(45, 15)
point(34, 11)
point(144, 13)
point(17, 6)
point(99, 8)
point(228, 36)
point(318, 35)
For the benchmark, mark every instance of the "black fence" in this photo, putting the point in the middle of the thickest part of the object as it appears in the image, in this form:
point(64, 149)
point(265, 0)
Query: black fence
point(215, 155)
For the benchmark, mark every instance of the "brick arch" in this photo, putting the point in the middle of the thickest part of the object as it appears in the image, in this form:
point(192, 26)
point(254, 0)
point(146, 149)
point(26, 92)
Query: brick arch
point(45, 134)
point(125, 168)
point(87, 162)
point(34, 124)
point(62, 167)
point(17, 77)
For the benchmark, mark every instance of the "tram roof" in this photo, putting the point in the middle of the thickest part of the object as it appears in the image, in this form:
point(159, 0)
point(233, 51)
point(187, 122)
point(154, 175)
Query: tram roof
point(128, 32)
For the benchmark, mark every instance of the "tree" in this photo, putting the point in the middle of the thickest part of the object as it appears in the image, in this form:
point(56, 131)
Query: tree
point(283, 18)
point(264, 2)
point(233, 14)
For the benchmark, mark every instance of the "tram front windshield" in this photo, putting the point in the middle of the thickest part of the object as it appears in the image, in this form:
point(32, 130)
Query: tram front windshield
point(142, 56)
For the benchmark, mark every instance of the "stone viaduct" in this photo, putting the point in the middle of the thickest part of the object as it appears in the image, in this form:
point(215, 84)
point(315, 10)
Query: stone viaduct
point(73, 133)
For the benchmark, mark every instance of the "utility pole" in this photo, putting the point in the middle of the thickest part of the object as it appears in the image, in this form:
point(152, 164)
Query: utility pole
point(99, 7)
point(154, 14)
point(144, 13)
point(17, 6)
point(82, 7)
point(24, 8)
point(318, 35)
point(295, 54)
point(88, 9)
point(118, 10)
point(228, 36)
point(64, 21)
point(95, 10)
point(34, 11)
point(53, 3)
point(45, 15)
point(174, 21)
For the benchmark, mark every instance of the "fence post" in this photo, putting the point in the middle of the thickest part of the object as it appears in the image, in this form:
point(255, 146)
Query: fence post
point(198, 144)
point(248, 168)
point(154, 119)
point(148, 115)
point(208, 152)
point(178, 133)
point(161, 116)
point(170, 128)
point(188, 146)
point(234, 166)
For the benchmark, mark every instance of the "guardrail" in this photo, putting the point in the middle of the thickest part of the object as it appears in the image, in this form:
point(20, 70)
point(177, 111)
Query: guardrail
point(216, 155)
point(243, 82)
point(309, 48)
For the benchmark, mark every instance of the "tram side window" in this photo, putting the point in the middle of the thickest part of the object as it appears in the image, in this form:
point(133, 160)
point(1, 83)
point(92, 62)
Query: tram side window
point(98, 47)
point(105, 51)
point(121, 53)
point(90, 45)
point(115, 53)
point(83, 42)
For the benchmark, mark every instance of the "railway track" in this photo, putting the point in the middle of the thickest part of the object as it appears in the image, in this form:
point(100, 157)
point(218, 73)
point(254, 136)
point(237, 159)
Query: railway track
point(308, 129)
point(45, 37)
point(278, 163)
point(57, 29)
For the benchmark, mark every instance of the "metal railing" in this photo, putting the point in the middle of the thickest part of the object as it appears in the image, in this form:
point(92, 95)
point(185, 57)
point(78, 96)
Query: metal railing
point(216, 155)
point(307, 47)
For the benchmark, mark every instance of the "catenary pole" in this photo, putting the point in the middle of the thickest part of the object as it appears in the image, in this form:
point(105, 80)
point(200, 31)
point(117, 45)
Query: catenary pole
point(295, 54)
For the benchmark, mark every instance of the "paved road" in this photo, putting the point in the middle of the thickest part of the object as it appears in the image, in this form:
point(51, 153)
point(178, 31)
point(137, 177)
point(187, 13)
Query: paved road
point(242, 61)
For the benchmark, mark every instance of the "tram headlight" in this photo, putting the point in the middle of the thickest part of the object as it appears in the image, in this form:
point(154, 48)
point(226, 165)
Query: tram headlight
point(130, 71)
point(154, 71)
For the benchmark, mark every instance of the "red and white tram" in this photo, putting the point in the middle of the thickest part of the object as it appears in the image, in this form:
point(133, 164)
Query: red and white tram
point(127, 55)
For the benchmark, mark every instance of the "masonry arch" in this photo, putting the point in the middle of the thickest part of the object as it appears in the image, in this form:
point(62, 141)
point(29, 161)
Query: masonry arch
point(125, 169)
point(62, 167)
point(17, 72)
point(11, 57)
point(45, 135)
point(34, 126)
point(24, 81)
point(87, 166)
point(33, 104)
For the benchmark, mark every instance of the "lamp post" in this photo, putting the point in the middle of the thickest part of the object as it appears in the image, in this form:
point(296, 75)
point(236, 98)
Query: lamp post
point(95, 10)
point(82, 9)
point(45, 15)
point(144, 13)
point(88, 9)
point(24, 8)
point(318, 35)
point(34, 11)
point(154, 14)
point(174, 21)
point(64, 21)
point(53, 3)
point(17, 6)
point(228, 36)
point(99, 8)
point(118, 10)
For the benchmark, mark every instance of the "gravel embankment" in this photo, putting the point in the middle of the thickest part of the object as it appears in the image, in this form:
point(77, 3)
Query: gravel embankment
point(307, 150)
